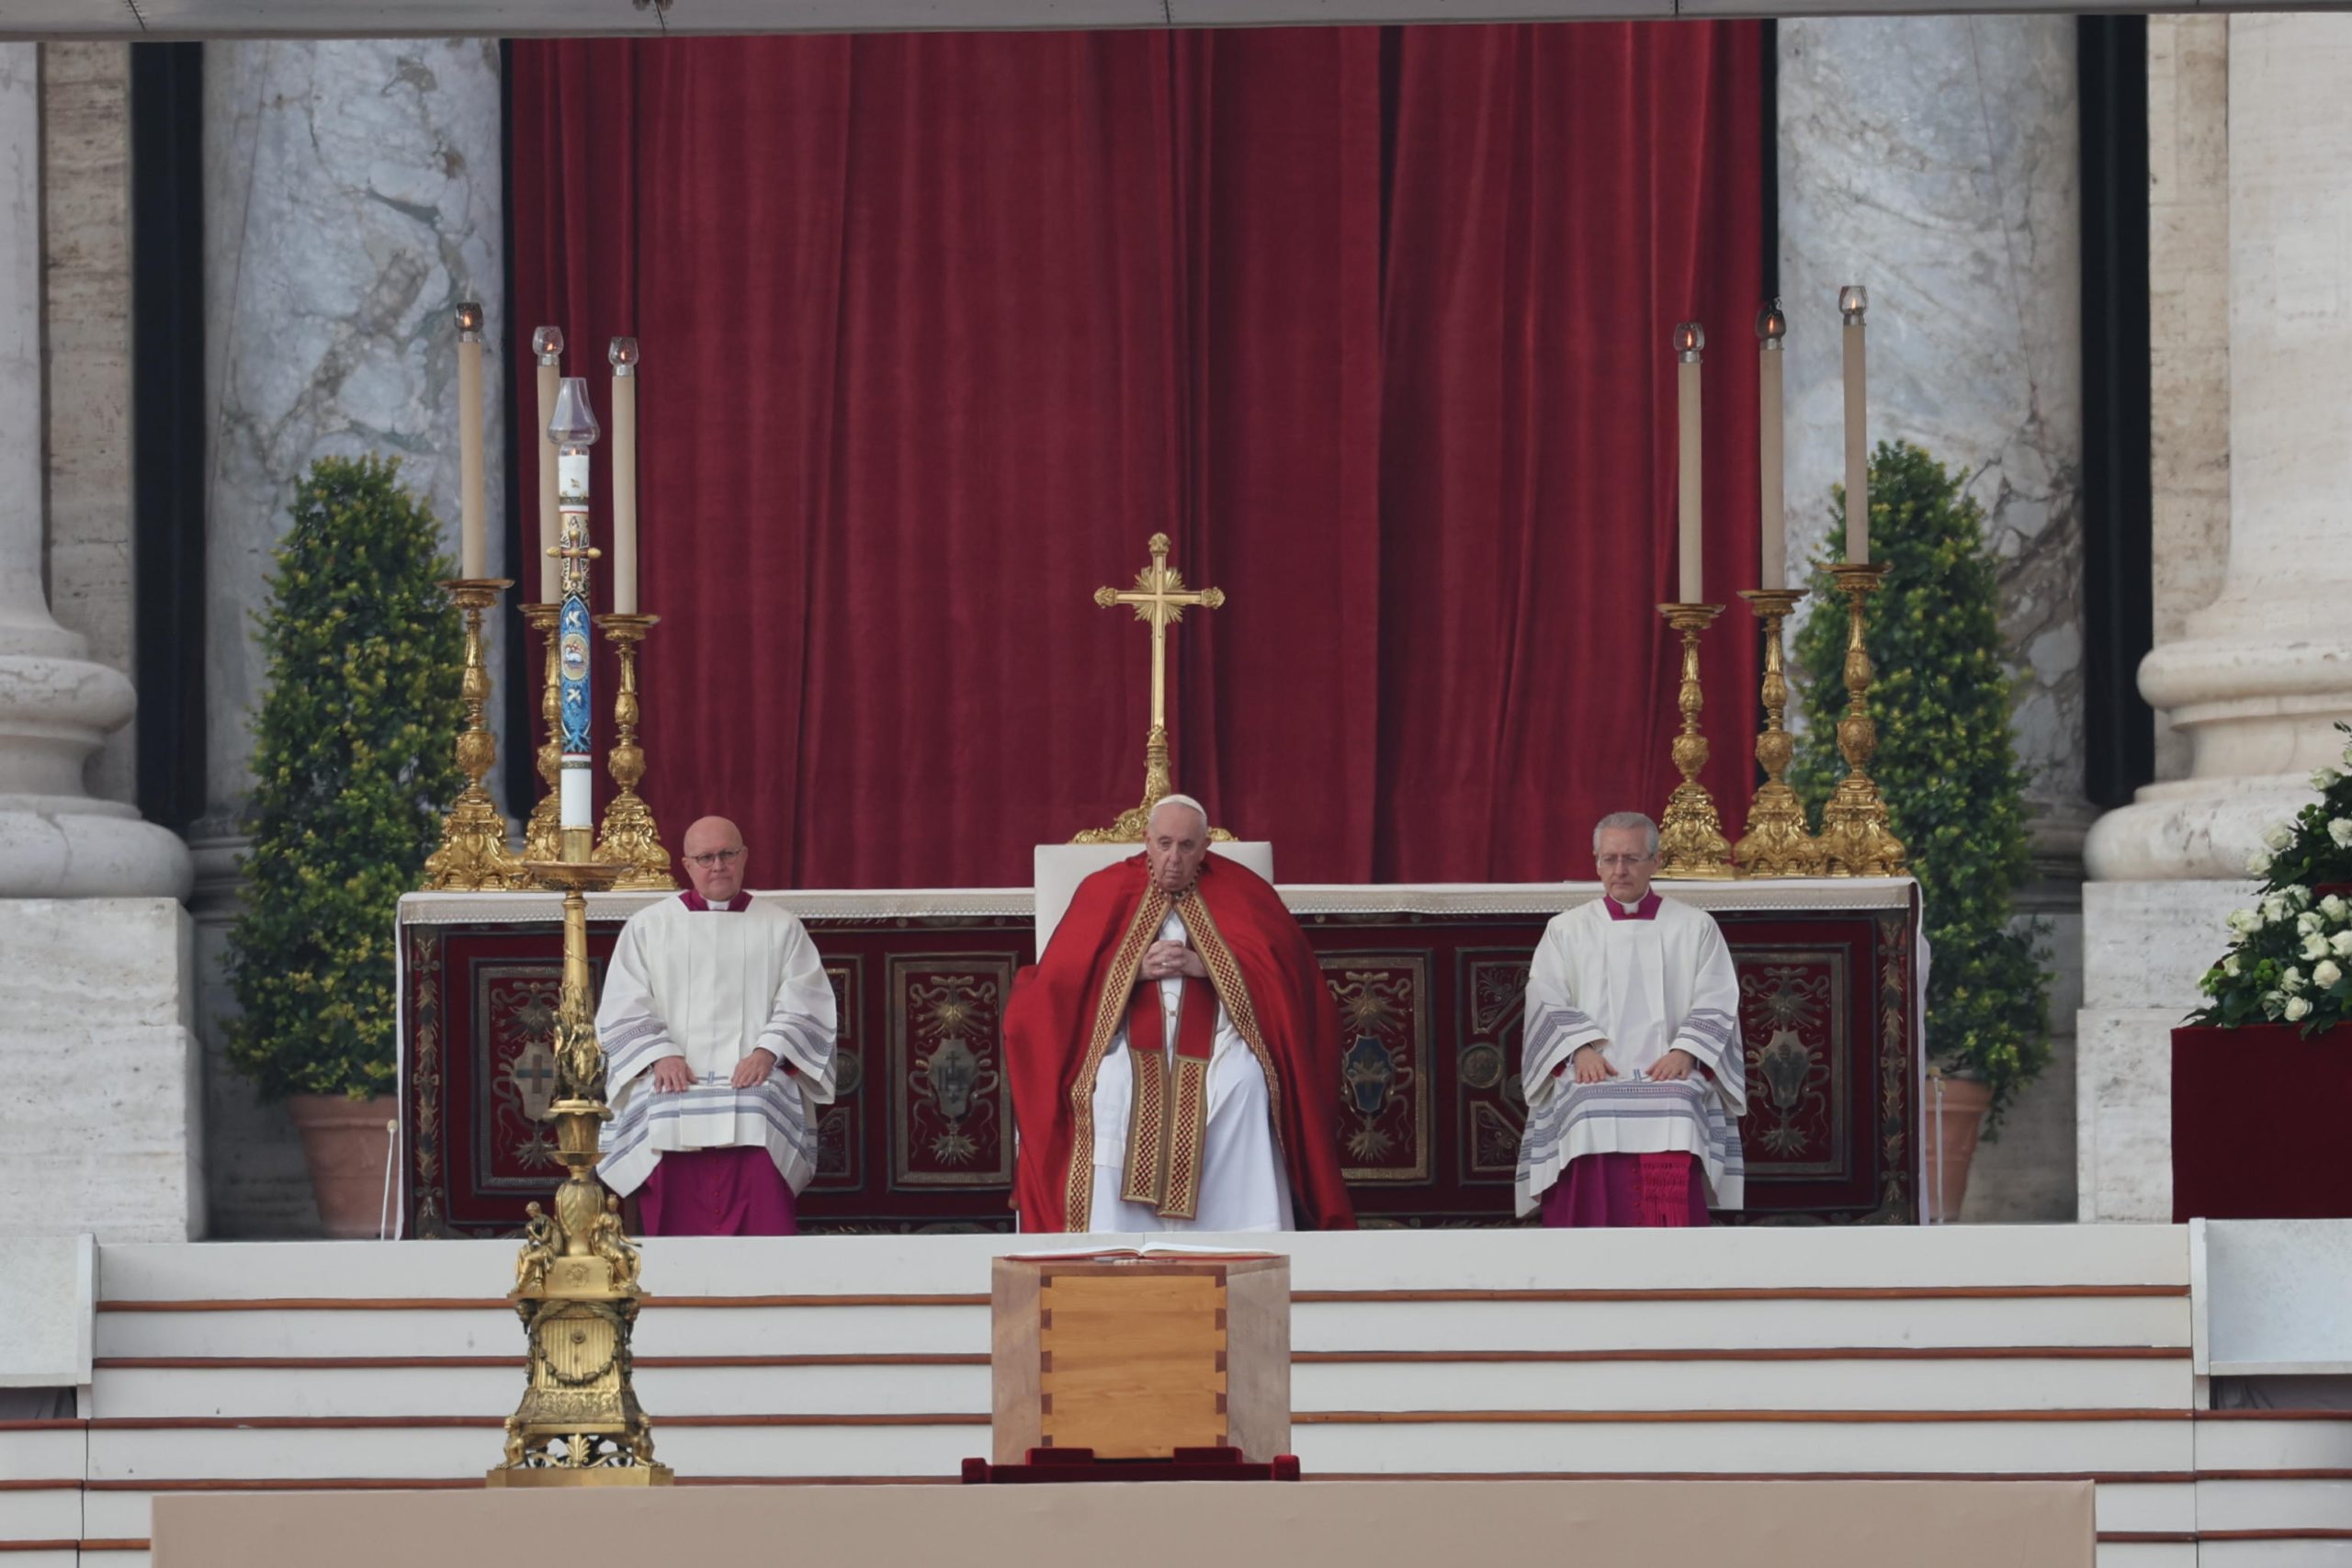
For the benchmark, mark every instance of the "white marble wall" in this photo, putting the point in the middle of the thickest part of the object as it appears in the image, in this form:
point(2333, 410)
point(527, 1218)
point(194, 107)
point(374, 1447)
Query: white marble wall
point(1934, 160)
point(101, 1130)
point(352, 199)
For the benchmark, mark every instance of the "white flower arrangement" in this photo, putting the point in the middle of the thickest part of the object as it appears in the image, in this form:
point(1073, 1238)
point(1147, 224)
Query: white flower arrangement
point(2289, 957)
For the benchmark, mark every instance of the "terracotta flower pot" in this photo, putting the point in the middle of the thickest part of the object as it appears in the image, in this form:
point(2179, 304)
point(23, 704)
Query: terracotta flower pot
point(1956, 1110)
point(344, 1142)
point(2257, 1123)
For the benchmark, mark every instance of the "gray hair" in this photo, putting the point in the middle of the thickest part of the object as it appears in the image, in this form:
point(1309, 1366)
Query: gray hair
point(1620, 819)
point(1185, 801)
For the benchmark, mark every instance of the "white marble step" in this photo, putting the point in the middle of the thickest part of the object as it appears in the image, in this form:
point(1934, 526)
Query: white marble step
point(1969, 1256)
point(1348, 1325)
point(132, 1453)
point(2277, 1505)
point(893, 1389)
point(2228, 1441)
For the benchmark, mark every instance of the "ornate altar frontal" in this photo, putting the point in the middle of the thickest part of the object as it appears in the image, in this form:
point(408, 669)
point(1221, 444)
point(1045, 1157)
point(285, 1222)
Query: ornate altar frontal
point(1428, 981)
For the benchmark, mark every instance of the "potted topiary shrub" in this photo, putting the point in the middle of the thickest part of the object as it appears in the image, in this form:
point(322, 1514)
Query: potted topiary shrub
point(1953, 786)
point(353, 764)
point(2257, 1094)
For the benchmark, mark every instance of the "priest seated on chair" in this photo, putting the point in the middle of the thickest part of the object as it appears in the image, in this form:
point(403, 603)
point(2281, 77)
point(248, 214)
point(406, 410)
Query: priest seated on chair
point(1631, 1057)
point(717, 1023)
point(1174, 1053)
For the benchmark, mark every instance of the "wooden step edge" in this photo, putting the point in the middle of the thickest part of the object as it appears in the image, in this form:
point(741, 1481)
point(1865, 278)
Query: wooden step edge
point(1670, 1417)
point(501, 1304)
point(2284, 1532)
point(1760, 1293)
point(103, 1544)
point(463, 1483)
point(441, 1423)
point(516, 1362)
point(1298, 1357)
point(2102, 1477)
point(1723, 1293)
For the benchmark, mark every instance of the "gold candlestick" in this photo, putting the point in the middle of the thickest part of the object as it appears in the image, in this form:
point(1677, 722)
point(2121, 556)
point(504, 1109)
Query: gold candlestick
point(1856, 839)
point(1691, 835)
point(629, 838)
point(539, 838)
point(473, 856)
point(575, 1279)
point(1776, 842)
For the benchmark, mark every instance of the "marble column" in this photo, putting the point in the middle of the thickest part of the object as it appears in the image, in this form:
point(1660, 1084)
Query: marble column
point(1934, 160)
point(352, 199)
point(2260, 676)
point(96, 1131)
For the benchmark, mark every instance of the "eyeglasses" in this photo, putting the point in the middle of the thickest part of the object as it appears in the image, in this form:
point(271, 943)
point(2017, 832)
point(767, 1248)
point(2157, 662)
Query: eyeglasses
point(1623, 863)
point(715, 857)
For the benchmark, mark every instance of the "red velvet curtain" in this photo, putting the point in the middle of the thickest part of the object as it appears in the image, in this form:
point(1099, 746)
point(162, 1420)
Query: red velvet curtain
point(938, 330)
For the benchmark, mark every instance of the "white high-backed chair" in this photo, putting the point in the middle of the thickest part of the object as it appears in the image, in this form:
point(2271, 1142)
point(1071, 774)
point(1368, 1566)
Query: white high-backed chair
point(1059, 868)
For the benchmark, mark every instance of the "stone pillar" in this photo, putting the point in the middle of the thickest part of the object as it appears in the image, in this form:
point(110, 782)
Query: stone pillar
point(1934, 160)
point(353, 198)
point(96, 1131)
point(2263, 673)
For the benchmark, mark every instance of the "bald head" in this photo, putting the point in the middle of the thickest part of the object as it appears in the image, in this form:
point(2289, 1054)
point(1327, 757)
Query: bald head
point(713, 853)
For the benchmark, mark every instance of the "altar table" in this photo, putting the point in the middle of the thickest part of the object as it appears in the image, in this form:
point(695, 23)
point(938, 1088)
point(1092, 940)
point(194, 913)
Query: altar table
point(1429, 981)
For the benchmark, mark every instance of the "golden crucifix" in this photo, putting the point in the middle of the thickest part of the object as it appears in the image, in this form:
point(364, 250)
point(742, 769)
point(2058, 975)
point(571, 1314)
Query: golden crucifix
point(1160, 600)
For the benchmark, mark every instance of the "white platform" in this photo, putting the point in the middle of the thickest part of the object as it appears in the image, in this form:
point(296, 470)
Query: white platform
point(1973, 1351)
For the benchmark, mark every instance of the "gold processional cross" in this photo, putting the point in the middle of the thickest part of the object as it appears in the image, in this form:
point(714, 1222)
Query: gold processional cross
point(1160, 600)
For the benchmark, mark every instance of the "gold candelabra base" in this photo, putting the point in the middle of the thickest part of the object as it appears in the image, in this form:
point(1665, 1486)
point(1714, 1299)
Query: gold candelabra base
point(1690, 839)
point(541, 840)
point(1129, 826)
point(1777, 842)
point(473, 855)
point(576, 1277)
point(1857, 836)
point(629, 838)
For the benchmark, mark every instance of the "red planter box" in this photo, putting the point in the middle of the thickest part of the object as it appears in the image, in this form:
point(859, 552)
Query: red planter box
point(2258, 1123)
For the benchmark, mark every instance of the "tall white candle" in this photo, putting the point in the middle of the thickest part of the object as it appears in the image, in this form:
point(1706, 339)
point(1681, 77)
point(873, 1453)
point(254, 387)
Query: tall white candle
point(1690, 347)
point(1853, 300)
point(547, 343)
point(473, 534)
point(573, 428)
point(1771, 326)
point(622, 354)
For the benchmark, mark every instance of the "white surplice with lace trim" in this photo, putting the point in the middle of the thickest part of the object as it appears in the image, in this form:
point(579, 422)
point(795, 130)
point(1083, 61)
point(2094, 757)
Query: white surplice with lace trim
point(1645, 986)
point(712, 986)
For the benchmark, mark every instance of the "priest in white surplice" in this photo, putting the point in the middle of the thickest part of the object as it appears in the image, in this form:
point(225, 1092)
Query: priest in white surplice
point(717, 1023)
point(1632, 1061)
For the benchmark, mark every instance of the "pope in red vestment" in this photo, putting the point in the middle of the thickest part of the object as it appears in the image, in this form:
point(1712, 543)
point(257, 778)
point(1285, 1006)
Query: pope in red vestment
point(1239, 962)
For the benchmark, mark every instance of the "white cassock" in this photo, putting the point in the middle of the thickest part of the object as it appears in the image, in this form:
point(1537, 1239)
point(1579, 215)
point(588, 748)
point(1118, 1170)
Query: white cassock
point(1646, 987)
point(713, 986)
point(1243, 1184)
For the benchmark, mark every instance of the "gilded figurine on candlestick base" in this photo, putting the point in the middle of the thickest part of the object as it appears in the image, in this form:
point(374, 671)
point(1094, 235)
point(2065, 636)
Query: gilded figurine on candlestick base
point(1690, 834)
point(629, 839)
point(1857, 837)
point(473, 856)
point(1158, 599)
point(576, 1277)
point(539, 835)
point(1776, 842)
